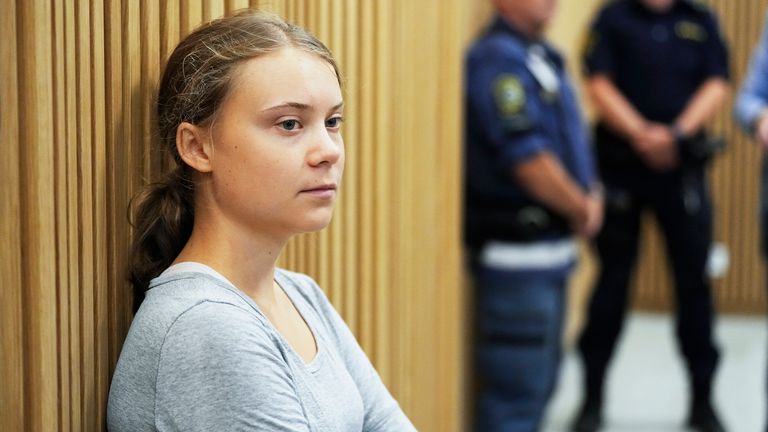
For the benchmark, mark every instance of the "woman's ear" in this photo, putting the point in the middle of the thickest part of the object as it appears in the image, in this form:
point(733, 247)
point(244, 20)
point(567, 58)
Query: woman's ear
point(194, 146)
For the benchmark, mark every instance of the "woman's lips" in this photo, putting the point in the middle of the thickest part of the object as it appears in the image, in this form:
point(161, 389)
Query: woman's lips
point(325, 191)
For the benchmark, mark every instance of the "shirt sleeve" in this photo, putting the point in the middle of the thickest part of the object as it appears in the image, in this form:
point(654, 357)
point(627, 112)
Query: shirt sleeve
point(382, 412)
point(753, 95)
point(219, 370)
point(599, 49)
point(717, 51)
point(502, 103)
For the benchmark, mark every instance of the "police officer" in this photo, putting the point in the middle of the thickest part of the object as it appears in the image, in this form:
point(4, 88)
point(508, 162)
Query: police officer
point(657, 72)
point(530, 186)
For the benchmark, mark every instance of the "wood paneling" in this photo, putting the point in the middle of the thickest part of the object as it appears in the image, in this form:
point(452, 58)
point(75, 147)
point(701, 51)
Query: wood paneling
point(78, 81)
point(12, 364)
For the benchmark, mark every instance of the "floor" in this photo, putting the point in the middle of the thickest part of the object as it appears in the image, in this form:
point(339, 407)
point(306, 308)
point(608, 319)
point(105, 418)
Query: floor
point(647, 388)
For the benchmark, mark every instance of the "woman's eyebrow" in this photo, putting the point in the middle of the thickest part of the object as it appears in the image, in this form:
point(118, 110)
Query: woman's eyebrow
point(300, 106)
point(296, 105)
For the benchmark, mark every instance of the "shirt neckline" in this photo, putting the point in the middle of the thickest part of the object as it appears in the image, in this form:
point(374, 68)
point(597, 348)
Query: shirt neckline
point(187, 267)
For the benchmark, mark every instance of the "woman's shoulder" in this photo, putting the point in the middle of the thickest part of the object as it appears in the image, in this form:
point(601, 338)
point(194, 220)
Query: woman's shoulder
point(191, 294)
point(303, 286)
point(183, 289)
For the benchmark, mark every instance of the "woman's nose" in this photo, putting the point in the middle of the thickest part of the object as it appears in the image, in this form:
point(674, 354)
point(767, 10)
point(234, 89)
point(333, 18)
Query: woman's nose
point(327, 148)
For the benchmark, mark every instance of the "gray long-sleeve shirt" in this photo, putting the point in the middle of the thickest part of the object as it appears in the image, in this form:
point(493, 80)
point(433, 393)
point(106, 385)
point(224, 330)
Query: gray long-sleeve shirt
point(200, 356)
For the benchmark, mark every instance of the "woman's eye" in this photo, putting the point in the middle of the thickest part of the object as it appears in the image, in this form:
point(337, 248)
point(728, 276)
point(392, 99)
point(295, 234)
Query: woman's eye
point(333, 122)
point(289, 125)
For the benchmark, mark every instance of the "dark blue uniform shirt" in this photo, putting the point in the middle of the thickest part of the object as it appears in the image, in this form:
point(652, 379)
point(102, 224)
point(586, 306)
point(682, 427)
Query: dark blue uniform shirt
point(657, 61)
point(513, 112)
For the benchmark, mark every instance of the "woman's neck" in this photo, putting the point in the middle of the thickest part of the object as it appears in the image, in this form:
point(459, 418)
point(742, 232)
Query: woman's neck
point(247, 259)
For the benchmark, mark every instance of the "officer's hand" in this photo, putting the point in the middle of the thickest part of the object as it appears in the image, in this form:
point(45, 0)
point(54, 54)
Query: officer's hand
point(657, 147)
point(588, 221)
point(594, 215)
point(761, 131)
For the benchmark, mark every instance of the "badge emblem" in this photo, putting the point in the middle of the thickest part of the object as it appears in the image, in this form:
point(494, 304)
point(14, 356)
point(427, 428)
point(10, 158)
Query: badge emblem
point(690, 31)
point(509, 94)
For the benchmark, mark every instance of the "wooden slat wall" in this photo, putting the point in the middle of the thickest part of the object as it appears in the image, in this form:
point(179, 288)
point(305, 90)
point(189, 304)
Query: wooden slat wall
point(78, 78)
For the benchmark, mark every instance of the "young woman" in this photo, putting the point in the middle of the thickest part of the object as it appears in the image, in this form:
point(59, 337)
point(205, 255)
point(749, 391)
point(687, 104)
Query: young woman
point(250, 108)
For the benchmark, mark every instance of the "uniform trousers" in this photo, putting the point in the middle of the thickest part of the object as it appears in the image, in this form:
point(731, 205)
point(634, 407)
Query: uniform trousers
point(519, 315)
point(680, 202)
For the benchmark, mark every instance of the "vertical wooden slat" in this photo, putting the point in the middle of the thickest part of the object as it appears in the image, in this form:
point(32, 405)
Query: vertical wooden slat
point(117, 182)
point(72, 227)
point(405, 244)
point(100, 240)
point(234, 5)
point(191, 15)
point(213, 9)
point(169, 28)
point(85, 213)
point(383, 213)
point(62, 238)
point(38, 257)
point(150, 61)
point(12, 395)
point(133, 138)
point(450, 316)
point(367, 171)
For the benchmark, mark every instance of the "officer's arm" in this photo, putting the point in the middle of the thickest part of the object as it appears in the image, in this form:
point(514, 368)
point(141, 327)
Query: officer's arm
point(545, 179)
point(702, 106)
point(711, 94)
point(614, 108)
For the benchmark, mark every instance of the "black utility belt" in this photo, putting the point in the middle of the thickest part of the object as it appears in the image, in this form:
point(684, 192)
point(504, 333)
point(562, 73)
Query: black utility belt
point(700, 148)
point(518, 224)
point(695, 150)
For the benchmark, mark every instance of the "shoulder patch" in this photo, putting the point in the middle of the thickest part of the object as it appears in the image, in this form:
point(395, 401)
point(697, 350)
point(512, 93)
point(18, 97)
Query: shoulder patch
point(690, 30)
point(509, 94)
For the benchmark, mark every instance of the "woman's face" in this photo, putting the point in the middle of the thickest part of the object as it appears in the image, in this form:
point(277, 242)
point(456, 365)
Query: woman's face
point(535, 14)
point(278, 155)
point(659, 6)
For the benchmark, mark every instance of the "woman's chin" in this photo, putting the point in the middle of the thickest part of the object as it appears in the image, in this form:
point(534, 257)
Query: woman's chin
point(313, 224)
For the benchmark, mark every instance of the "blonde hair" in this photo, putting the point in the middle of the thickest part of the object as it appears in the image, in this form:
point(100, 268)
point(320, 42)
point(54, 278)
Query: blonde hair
point(195, 82)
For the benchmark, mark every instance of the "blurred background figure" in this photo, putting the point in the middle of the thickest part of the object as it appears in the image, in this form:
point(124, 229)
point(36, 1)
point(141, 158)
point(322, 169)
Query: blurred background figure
point(751, 111)
point(657, 71)
point(530, 186)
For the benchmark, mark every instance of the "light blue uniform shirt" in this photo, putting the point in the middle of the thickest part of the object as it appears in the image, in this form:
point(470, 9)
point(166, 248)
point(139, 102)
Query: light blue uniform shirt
point(753, 96)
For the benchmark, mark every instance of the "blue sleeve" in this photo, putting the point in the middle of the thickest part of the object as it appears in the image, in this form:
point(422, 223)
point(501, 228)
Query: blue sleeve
point(599, 51)
point(717, 52)
point(753, 95)
point(503, 104)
